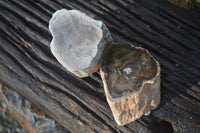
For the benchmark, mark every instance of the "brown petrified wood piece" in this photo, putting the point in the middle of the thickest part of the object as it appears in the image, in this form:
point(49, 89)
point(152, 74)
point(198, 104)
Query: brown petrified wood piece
point(171, 35)
point(131, 79)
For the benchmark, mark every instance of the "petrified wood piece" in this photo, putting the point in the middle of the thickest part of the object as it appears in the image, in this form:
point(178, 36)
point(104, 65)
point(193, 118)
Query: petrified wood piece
point(78, 41)
point(170, 33)
point(131, 79)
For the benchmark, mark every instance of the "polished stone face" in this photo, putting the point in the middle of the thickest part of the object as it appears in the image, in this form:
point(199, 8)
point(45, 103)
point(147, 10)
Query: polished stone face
point(127, 67)
point(131, 79)
point(75, 40)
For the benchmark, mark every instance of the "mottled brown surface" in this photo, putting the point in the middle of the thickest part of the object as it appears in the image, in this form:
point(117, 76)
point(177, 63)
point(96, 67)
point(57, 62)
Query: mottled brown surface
point(127, 67)
point(133, 87)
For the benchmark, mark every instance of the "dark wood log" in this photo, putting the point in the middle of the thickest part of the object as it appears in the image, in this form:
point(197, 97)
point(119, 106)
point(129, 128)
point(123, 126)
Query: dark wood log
point(171, 34)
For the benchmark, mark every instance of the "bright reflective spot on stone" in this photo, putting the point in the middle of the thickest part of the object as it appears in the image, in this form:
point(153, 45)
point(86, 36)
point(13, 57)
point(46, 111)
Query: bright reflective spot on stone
point(127, 70)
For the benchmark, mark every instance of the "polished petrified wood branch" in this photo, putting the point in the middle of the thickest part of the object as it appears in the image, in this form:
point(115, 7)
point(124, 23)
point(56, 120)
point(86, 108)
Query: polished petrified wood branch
point(131, 79)
point(78, 41)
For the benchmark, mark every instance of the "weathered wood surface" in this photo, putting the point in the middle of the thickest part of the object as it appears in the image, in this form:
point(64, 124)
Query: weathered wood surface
point(171, 34)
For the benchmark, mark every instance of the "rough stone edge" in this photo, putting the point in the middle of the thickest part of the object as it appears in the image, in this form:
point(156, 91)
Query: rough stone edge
point(24, 122)
point(96, 61)
point(113, 102)
point(104, 42)
point(24, 118)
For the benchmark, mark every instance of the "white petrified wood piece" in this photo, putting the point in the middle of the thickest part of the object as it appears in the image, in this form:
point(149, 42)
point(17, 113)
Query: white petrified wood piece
point(78, 41)
point(131, 78)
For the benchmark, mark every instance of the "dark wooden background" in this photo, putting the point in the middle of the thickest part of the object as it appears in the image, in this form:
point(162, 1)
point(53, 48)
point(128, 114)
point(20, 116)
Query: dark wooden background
point(170, 33)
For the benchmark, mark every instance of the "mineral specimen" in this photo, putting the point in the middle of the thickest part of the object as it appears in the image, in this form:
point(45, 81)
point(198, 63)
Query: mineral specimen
point(131, 78)
point(78, 41)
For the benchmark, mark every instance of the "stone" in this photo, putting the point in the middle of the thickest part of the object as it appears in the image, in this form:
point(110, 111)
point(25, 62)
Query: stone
point(31, 118)
point(131, 79)
point(78, 41)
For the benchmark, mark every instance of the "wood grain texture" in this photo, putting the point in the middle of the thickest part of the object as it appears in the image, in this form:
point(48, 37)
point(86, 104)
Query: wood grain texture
point(171, 34)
